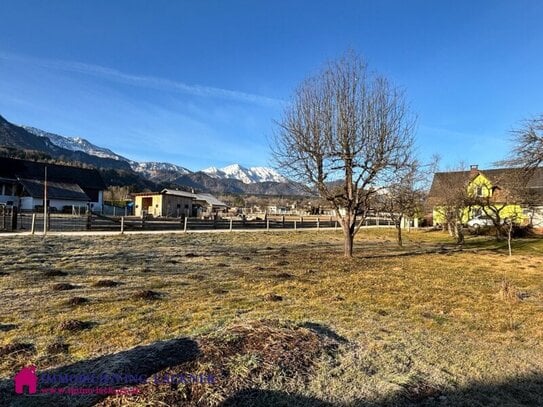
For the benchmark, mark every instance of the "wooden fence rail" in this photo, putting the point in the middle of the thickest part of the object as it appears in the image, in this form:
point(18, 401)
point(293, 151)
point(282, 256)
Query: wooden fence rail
point(94, 222)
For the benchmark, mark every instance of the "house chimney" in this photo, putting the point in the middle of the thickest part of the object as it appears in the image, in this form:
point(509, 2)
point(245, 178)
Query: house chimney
point(473, 168)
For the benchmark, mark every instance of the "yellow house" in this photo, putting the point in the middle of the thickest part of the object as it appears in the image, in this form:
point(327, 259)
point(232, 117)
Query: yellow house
point(490, 191)
point(166, 203)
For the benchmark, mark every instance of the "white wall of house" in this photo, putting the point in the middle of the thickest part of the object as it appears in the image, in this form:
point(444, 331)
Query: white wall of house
point(4, 199)
point(97, 206)
point(28, 204)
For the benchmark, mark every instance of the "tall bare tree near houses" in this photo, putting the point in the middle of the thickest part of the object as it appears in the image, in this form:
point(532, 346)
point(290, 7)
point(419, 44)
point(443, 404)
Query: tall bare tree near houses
point(345, 134)
point(527, 151)
point(405, 197)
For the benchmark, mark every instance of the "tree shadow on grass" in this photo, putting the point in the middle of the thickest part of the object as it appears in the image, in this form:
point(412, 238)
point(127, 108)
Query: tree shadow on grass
point(518, 391)
point(140, 362)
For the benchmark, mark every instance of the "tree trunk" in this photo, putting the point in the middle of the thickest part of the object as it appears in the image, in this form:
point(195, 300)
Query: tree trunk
point(349, 237)
point(399, 232)
point(459, 232)
point(451, 229)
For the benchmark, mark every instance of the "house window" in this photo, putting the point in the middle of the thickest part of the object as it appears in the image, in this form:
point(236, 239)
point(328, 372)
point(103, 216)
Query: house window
point(479, 191)
point(6, 189)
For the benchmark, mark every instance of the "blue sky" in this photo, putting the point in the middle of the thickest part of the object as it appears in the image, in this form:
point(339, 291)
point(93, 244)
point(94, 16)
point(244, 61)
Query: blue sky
point(200, 83)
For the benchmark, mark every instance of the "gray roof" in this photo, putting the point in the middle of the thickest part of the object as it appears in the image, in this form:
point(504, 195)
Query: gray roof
point(210, 199)
point(24, 169)
point(55, 190)
point(178, 193)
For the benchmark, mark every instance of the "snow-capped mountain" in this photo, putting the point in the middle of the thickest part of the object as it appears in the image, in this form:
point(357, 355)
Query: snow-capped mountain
point(245, 175)
point(153, 169)
point(160, 171)
point(75, 144)
point(150, 169)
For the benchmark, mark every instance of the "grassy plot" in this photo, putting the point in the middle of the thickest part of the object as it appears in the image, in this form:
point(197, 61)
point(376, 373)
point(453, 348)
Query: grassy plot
point(421, 324)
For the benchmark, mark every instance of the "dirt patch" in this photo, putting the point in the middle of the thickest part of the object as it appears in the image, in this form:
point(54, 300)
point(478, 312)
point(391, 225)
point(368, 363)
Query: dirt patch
point(55, 273)
point(236, 359)
point(282, 263)
point(56, 348)
point(283, 276)
point(63, 287)
point(148, 295)
point(223, 265)
point(74, 325)
point(7, 327)
point(106, 283)
point(77, 301)
point(273, 297)
point(191, 255)
point(17, 347)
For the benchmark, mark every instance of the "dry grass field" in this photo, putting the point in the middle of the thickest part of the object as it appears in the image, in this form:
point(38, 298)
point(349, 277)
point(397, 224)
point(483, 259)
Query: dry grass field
point(282, 318)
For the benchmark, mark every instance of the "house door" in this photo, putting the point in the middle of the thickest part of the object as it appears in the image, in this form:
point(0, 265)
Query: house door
point(146, 203)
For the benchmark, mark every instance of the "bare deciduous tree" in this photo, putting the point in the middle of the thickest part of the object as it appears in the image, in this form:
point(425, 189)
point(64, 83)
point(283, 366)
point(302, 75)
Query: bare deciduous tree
point(527, 149)
point(450, 198)
point(345, 134)
point(405, 196)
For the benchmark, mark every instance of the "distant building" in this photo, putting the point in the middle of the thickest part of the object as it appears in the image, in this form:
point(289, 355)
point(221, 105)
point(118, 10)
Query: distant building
point(174, 203)
point(22, 185)
point(209, 204)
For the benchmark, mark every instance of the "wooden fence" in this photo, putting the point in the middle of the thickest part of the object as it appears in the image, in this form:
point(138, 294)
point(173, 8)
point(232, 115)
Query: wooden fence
point(94, 222)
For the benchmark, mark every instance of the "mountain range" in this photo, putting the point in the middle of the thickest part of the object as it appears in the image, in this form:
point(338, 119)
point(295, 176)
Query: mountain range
point(119, 170)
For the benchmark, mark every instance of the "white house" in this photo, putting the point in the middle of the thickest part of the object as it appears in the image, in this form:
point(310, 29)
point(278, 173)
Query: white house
point(22, 184)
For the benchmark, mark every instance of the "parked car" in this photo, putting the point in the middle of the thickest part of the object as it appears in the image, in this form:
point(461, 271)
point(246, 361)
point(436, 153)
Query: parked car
point(480, 222)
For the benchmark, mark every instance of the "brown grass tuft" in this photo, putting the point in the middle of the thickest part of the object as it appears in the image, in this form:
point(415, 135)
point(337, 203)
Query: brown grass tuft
point(55, 273)
point(56, 348)
point(508, 292)
point(238, 358)
point(147, 295)
point(77, 301)
point(74, 325)
point(106, 283)
point(63, 286)
point(273, 297)
point(15, 348)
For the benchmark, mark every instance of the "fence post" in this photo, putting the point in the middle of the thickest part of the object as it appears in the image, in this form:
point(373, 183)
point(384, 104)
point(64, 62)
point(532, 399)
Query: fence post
point(267, 224)
point(295, 225)
point(335, 225)
point(230, 224)
point(33, 228)
point(283, 220)
point(377, 221)
point(89, 221)
point(185, 224)
point(301, 221)
point(318, 223)
point(122, 225)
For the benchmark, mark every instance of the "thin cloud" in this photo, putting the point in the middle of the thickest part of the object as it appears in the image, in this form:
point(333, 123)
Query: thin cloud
point(144, 81)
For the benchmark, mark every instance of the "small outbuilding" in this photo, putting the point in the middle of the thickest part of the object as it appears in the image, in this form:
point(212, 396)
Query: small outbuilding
point(174, 203)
